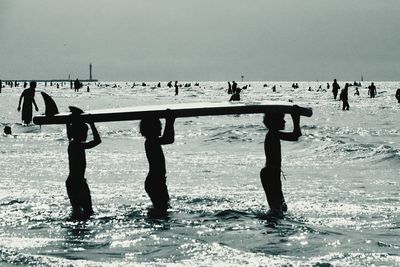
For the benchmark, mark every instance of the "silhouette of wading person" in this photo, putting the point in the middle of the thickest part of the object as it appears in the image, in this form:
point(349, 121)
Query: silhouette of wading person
point(77, 187)
point(271, 173)
point(28, 95)
point(372, 90)
point(344, 97)
point(155, 184)
point(335, 88)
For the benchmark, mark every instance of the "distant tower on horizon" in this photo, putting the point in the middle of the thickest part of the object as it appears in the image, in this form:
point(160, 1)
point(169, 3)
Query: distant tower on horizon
point(90, 71)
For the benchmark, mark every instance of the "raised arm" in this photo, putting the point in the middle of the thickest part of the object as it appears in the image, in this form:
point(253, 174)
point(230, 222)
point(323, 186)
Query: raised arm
point(96, 137)
point(296, 133)
point(169, 132)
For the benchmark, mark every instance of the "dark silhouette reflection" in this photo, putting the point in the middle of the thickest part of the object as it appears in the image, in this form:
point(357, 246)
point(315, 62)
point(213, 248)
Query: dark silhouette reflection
point(398, 95)
point(271, 173)
point(372, 90)
point(77, 187)
point(155, 184)
point(335, 88)
point(344, 97)
point(28, 95)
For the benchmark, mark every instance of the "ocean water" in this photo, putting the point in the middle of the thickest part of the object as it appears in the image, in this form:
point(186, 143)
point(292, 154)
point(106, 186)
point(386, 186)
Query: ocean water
point(342, 183)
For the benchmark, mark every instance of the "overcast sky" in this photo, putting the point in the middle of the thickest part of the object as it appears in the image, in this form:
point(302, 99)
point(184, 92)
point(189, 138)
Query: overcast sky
point(200, 40)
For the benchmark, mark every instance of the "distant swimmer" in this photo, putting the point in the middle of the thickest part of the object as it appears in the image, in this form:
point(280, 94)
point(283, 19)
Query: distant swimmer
point(236, 95)
point(7, 132)
point(357, 93)
point(372, 90)
point(398, 95)
point(77, 187)
point(155, 184)
point(344, 97)
point(335, 88)
point(229, 88)
point(271, 174)
point(29, 98)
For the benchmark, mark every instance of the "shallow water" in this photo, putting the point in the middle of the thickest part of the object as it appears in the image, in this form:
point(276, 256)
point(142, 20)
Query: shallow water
point(342, 184)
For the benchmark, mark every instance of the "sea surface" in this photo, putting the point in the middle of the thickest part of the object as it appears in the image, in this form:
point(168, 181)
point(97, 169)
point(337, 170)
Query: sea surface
point(342, 183)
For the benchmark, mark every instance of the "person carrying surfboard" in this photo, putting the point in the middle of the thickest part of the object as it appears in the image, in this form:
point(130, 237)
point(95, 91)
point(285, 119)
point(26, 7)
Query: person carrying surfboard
point(77, 187)
point(155, 184)
point(271, 173)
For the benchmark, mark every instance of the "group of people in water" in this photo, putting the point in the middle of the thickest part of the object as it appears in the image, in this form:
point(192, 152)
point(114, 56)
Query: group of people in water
point(155, 183)
point(151, 129)
point(344, 93)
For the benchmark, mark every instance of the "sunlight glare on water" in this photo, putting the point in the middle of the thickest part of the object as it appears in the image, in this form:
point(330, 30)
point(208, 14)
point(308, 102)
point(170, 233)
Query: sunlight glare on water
point(341, 185)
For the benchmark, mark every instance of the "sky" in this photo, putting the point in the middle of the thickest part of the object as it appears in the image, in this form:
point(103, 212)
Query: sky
point(200, 40)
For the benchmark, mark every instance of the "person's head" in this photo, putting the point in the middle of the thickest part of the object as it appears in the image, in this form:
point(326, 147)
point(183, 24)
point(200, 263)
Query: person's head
point(274, 121)
point(347, 85)
point(78, 131)
point(7, 130)
point(334, 80)
point(150, 127)
point(32, 84)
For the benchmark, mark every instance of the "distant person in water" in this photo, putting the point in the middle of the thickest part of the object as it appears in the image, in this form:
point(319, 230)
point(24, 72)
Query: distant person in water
point(344, 97)
point(234, 87)
point(236, 95)
point(29, 98)
point(372, 90)
point(77, 187)
point(176, 88)
point(271, 173)
point(398, 95)
point(229, 88)
point(155, 184)
point(335, 88)
point(357, 93)
point(8, 132)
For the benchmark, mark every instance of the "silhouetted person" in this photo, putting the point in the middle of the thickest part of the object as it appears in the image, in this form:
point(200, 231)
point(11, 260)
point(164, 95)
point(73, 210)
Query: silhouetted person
point(155, 184)
point(234, 87)
point(229, 88)
point(176, 88)
point(398, 95)
point(159, 85)
point(236, 96)
point(29, 98)
point(274, 88)
point(335, 88)
point(344, 97)
point(1, 85)
point(7, 132)
point(77, 85)
point(372, 90)
point(357, 93)
point(77, 187)
point(271, 173)
point(327, 86)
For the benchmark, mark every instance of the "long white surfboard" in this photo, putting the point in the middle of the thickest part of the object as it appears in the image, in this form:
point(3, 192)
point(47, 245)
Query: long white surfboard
point(179, 110)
